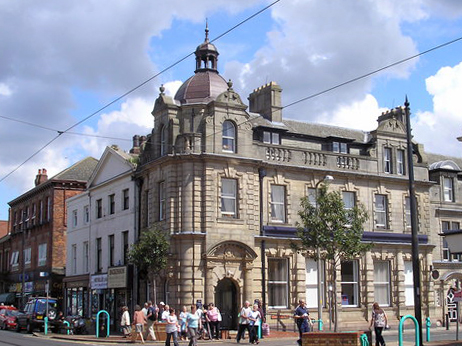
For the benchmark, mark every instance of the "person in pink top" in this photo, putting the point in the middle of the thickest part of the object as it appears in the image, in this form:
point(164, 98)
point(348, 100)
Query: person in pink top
point(139, 320)
point(213, 319)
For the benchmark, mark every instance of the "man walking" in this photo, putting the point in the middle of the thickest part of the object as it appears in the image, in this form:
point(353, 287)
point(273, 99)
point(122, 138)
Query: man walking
point(302, 318)
point(151, 318)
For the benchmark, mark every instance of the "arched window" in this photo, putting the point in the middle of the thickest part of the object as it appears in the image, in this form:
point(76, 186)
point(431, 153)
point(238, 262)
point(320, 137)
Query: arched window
point(229, 137)
point(163, 140)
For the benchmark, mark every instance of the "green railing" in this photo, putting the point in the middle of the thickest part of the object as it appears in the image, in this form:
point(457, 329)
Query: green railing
point(401, 323)
point(364, 340)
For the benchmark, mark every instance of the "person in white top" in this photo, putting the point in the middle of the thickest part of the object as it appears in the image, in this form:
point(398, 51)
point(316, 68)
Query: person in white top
point(125, 322)
point(244, 323)
point(165, 314)
point(171, 328)
point(255, 321)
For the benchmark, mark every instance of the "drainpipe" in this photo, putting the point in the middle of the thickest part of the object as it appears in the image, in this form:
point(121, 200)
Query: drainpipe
point(262, 175)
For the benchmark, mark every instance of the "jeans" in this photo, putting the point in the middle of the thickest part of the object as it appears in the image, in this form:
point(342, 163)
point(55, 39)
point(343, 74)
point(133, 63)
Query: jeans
point(175, 338)
point(379, 340)
point(253, 334)
point(214, 329)
point(192, 336)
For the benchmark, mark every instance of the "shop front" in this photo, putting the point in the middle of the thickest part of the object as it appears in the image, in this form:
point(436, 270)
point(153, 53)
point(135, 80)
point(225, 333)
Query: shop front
point(77, 295)
point(120, 289)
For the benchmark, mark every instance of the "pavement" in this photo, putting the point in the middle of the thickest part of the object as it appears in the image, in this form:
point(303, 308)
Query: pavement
point(284, 338)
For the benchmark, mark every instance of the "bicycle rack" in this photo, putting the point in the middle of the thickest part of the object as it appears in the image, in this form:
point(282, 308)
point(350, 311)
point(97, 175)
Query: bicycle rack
point(97, 322)
point(401, 323)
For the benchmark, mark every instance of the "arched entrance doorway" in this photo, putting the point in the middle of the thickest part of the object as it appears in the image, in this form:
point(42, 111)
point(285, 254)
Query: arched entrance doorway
point(226, 299)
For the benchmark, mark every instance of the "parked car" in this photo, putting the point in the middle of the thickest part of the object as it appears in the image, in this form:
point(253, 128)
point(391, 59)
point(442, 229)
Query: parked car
point(34, 313)
point(8, 319)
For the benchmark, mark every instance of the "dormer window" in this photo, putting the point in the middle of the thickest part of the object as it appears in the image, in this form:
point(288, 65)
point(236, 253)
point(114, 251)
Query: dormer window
point(387, 160)
point(229, 137)
point(339, 147)
point(271, 137)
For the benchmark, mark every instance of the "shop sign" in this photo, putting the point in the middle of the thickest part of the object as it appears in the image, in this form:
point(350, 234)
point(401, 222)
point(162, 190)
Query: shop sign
point(40, 286)
point(98, 282)
point(16, 287)
point(117, 277)
point(452, 305)
point(29, 286)
point(77, 284)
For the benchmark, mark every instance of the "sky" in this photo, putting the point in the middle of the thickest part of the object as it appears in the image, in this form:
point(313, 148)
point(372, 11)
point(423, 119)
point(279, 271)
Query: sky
point(62, 61)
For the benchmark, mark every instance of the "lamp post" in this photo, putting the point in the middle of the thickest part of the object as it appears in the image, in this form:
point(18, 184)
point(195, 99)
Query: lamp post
point(327, 179)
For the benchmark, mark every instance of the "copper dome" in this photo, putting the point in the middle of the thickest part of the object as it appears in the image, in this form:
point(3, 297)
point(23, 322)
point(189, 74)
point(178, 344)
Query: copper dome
point(203, 87)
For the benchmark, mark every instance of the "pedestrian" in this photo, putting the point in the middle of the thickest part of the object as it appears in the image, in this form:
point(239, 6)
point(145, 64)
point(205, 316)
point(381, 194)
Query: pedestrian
point(193, 322)
point(380, 321)
point(244, 322)
point(165, 313)
point(183, 315)
point(145, 309)
point(151, 318)
point(211, 317)
point(171, 328)
point(302, 318)
point(125, 322)
point(255, 322)
point(139, 319)
point(161, 308)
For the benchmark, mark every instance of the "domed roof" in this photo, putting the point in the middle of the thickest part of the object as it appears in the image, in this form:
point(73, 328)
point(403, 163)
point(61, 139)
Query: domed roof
point(446, 164)
point(206, 84)
point(203, 87)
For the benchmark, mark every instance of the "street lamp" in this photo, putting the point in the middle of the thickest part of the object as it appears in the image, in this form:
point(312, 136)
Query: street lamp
point(327, 179)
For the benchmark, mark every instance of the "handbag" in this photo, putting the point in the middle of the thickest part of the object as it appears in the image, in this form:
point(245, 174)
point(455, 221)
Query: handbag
point(266, 329)
point(219, 318)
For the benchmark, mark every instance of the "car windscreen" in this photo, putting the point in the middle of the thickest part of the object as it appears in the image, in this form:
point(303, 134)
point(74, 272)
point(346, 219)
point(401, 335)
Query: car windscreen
point(42, 305)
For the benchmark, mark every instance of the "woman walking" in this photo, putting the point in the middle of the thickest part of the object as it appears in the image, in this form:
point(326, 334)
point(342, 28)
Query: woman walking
point(255, 322)
point(125, 322)
point(171, 328)
point(380, 321)
point(139, 320)
point(183, 315)
point(193, 322)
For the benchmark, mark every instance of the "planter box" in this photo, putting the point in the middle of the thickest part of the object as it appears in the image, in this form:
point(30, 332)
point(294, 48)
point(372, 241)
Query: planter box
point(159, 328)
point(334, 339)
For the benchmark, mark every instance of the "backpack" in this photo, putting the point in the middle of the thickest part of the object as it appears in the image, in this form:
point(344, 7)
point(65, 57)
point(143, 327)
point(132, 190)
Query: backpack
point(153, 315)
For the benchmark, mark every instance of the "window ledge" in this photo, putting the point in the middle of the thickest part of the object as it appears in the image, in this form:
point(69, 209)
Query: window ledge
point(230, 220)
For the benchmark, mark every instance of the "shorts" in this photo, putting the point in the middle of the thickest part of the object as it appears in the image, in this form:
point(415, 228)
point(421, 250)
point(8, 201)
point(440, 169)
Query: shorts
point(139, 328)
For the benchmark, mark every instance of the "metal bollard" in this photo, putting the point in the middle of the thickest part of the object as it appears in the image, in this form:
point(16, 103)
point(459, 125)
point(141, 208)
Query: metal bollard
point(364, 340)
point(428, 324)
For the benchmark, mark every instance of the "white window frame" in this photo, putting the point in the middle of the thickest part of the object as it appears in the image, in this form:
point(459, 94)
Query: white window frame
point(111, 204)
point(86, 214)
point(229, 137)
point(125, 199)
point(408, 284)
point(278, 287)
point(407, 212)
point(228, 197)
point(99, 208)
point(271, 137)
point(381, 209)
point(74, 258)
point(448, 189)
point(163, 140)
point(74, 218)
point(354, 284)
point(278, 203)
point(340, 147)
point(86, 253)
point(400, 162)
point(387, 167)
point(382, 284)
point(42, 254)
point(27, 255)
point(162, 201)
point(311, 282)
point(14, 260)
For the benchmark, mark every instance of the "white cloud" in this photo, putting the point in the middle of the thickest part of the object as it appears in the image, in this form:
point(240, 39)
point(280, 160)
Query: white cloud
point(5, 90)
point(439, 129)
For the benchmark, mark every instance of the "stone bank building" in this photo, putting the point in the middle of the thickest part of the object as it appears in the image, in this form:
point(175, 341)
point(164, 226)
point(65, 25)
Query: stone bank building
point(224, 179)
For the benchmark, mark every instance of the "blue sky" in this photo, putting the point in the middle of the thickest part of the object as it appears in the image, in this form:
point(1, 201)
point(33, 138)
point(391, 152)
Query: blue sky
point(66, 60)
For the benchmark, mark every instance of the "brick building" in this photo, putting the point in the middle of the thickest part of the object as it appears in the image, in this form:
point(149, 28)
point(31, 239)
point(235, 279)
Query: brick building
point(35, 253)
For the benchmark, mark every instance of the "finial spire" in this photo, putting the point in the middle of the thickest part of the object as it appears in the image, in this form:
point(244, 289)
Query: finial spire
point(206, 30)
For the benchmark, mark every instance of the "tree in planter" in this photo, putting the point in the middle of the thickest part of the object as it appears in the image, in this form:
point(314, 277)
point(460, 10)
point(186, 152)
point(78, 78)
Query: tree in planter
point(149, 254)
point(336, 231)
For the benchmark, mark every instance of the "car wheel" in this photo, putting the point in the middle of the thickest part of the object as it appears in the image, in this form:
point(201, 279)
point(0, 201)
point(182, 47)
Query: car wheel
point(29, 328)
point(52, 313)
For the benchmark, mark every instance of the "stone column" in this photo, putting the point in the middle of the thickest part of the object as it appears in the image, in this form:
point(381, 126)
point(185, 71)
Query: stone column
point(400, 288)
point(209, 284)
point(369, 278)
point(248, 282)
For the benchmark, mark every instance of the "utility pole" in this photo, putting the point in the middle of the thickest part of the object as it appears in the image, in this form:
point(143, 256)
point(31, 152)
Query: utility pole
point(414, 226)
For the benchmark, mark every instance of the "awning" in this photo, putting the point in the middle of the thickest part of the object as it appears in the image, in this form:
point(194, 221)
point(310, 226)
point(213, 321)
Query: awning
point(7, 298)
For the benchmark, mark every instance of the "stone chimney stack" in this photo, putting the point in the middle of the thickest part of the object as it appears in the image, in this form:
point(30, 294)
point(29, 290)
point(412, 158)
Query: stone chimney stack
point(41, 177)
point(266, 101)
point(136, 145)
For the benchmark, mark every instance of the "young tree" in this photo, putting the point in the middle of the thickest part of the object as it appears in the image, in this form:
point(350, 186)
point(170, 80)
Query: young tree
point(150, 254)
point(336, 231)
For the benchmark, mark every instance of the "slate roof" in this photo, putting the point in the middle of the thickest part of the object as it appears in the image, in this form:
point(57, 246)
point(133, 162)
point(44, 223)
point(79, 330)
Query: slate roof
point(81, 170)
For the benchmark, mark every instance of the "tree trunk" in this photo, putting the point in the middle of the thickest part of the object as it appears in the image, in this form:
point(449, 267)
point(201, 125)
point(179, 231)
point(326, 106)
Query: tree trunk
point(153, 293)
point(335, 297)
